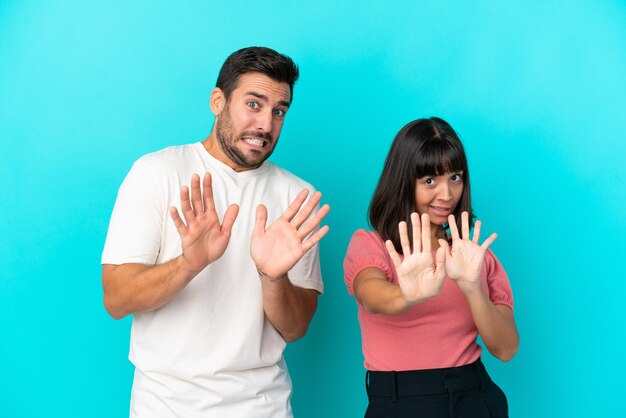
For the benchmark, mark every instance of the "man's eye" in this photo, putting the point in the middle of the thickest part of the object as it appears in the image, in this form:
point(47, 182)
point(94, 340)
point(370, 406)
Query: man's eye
point(279, 112)
point(253, 105)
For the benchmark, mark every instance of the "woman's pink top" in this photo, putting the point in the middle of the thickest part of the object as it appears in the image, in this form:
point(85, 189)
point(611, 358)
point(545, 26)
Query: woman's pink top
point(439, 332)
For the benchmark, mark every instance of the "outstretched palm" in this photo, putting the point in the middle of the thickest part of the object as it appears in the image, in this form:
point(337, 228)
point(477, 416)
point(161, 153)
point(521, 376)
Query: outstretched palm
point(277, 249)
point(204, 240)
point(464, 261)
point(418, 276)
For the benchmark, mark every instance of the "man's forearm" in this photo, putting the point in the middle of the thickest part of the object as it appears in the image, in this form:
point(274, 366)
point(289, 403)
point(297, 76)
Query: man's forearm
point(289, 308)
point(133, 288)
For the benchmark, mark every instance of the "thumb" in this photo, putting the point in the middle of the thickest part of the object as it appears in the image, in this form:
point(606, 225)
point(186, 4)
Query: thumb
point(393, 254)
point(261, 220)
point(440, 270)
point(229, 218)
point(446, 247)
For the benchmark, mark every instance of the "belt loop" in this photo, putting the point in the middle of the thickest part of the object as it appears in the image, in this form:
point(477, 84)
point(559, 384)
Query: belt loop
point(394, 387)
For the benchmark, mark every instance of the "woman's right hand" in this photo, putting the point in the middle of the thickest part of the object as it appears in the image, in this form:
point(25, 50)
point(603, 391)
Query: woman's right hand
point(419, 276)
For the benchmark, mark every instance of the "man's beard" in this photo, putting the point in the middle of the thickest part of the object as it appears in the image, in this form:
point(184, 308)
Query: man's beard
point(227, 139)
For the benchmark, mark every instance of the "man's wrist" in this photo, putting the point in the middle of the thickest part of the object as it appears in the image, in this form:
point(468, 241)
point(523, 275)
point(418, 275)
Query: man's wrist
point(186, 268)
point(273, 279)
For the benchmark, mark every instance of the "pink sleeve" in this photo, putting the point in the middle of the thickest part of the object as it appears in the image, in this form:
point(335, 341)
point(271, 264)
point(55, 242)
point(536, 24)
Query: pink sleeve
point(366, 249)
point(500, 292)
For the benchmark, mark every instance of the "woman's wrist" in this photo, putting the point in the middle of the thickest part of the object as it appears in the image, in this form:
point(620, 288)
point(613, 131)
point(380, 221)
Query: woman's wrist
point(470, 288)
point(408, 303)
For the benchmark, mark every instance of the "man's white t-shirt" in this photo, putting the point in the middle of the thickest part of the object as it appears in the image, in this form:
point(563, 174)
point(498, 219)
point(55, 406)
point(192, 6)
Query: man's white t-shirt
point(210, 352)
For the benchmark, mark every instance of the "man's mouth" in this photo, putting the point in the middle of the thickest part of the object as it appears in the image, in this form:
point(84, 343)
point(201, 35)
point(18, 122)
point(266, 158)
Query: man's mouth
point(257, 140)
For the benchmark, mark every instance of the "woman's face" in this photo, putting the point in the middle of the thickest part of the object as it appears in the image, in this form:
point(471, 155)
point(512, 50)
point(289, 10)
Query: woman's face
point(438, 195)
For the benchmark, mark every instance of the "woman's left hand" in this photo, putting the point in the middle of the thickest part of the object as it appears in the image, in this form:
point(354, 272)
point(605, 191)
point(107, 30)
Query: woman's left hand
point(464, 260)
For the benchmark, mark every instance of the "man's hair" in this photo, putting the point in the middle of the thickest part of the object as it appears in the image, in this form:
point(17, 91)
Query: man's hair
point(258, 59)
point(424, 147)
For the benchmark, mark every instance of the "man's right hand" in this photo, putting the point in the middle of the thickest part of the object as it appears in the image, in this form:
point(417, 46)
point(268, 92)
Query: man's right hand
point(204, 240)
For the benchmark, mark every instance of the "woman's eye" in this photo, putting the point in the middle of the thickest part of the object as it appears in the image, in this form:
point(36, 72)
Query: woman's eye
point(457, 178)
point(429, 181)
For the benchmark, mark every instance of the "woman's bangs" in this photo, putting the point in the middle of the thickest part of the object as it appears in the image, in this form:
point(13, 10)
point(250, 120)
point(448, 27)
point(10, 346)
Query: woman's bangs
point(438, 157)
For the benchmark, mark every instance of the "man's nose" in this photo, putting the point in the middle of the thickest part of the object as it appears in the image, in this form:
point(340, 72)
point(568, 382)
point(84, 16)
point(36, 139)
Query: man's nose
point(264, 121)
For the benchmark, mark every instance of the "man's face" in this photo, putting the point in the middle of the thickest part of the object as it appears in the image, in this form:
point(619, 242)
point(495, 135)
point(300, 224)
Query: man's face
point(248, 128)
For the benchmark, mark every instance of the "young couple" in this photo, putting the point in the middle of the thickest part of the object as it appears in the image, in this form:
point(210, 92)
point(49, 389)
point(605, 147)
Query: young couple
point(219, 276)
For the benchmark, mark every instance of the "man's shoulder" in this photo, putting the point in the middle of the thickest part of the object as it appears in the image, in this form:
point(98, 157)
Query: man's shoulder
point(280, 174)
point(168, 163)
point(171, 155)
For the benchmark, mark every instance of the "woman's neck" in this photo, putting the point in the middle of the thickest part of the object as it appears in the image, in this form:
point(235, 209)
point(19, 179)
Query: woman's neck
point(436, 233)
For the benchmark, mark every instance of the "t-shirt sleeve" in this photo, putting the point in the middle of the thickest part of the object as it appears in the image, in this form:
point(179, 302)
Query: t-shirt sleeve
point(135, 229)
point(500, 292)
point(365, 250)
point(307, 272)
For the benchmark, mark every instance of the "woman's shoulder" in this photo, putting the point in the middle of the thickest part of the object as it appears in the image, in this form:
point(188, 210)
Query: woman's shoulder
point(366, 249)
point(491, 260)
point(493, 268)
point(366, 237)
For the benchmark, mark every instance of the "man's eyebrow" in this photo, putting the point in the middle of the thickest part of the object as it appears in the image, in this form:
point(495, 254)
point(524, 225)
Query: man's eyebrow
point(265, 98)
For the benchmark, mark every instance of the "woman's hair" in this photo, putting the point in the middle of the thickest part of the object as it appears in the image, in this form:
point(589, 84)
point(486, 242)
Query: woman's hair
point(424, 147)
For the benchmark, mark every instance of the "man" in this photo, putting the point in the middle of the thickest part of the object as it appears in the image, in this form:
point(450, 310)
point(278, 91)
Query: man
point(217, 293)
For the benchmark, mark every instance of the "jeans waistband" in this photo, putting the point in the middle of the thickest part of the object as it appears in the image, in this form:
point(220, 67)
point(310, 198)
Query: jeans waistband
point(427, 382)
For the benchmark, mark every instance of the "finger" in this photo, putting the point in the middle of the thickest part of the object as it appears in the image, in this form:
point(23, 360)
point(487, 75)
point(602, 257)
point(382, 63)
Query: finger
point(314, 222)
point(196, 195)
point(465, 225)
point(178, 222)
point(417, 233)
point(477, 226)
point(426, 245)
point(440, 269)
point(393, 253)
point(207, 193)
point(489, 241)
point(295, 206)
point(315, 238)
point(404, 239)
point(261, 220)
point(229, 218)
point(444, 244)
point(304, 213)
point(185, 205)
point(454, 231)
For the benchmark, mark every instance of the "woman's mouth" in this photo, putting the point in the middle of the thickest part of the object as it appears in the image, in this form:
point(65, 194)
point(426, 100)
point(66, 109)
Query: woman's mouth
point(441, 211)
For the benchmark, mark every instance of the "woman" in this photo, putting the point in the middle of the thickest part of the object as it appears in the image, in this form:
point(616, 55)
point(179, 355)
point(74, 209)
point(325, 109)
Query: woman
point(420, 311)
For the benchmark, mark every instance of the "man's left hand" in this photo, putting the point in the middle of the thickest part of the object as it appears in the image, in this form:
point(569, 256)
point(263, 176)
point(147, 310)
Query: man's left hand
point(277, 249)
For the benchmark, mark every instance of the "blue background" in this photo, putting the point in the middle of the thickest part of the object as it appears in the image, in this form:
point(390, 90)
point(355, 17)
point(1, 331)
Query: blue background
point(537, 92)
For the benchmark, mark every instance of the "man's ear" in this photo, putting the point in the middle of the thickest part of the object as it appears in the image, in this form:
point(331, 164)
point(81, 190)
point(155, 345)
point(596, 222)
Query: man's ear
point(218, 101)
